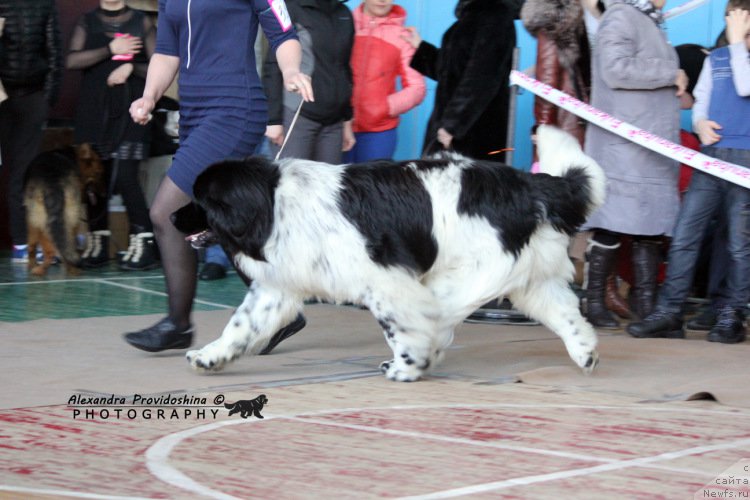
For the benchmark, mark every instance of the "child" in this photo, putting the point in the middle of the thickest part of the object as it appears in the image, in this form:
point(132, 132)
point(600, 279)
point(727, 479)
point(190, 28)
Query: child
point(722, 105)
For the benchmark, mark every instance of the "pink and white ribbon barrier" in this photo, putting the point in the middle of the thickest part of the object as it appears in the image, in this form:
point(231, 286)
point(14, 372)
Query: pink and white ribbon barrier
point(728, 171)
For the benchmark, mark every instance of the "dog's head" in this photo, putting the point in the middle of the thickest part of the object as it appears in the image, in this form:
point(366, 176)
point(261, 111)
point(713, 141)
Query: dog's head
point(192, 221)
point(234, 199)
point(91, 169)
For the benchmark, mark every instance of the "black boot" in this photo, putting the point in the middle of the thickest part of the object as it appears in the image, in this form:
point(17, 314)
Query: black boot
point(142, 253)
point(96, 253)
point(601, 263)
point(646, 259)
point(658, 324)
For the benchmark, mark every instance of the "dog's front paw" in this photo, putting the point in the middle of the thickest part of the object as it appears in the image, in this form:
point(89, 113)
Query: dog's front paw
point(587, 361)
point(38, 270)
point(202, 361)
point(400, 372)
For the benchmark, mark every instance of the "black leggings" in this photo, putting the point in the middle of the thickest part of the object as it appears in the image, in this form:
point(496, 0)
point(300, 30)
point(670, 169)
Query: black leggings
point(128, 186)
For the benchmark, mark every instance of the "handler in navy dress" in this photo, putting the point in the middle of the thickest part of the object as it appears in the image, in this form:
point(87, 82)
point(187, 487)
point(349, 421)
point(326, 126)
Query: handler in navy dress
point(210, 43)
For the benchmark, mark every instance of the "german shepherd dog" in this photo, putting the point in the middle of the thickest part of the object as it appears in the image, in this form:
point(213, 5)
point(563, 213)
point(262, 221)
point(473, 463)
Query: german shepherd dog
point(55, 187)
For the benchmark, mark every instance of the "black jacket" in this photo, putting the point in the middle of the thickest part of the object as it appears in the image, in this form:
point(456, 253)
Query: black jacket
point(326, 32)
point(30, 50)
point(471, 68)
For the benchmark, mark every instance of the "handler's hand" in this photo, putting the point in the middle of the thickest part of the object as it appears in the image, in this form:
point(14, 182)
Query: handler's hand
point(140, 110)
point(300, 83)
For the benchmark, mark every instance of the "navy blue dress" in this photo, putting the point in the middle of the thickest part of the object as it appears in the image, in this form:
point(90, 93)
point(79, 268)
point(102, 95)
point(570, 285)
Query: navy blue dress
point(223, 110)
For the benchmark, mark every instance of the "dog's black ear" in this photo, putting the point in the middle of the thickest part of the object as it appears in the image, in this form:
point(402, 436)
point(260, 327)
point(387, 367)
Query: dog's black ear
point(239, 197)
point(190, 219)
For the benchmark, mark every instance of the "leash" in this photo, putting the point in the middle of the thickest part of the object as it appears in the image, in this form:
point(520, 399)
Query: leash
point(291, 127)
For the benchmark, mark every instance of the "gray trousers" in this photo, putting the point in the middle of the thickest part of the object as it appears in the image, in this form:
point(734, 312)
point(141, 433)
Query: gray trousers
point(310, 140)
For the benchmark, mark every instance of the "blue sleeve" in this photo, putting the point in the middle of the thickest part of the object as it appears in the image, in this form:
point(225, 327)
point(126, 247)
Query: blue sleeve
point(166, 34)
point(275, 20)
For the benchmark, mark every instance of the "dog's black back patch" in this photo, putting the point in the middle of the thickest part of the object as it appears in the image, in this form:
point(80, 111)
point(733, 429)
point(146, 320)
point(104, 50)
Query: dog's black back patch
point(516, 203)
point(390, 206)
point(567, 198)
point(501, 195)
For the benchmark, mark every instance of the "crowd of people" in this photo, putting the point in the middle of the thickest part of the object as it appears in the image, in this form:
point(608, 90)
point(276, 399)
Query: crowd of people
point(342, 78)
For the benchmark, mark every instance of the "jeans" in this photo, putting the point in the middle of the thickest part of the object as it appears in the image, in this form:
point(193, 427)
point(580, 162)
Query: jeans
point(372, 146)
point(709, 196)
point(215, 255)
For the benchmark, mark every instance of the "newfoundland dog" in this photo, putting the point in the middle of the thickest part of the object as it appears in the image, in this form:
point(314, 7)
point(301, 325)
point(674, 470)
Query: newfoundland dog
point(422, 244)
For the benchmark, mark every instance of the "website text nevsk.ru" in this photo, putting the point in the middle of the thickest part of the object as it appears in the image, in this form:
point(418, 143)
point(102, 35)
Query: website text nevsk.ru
point(163, 407)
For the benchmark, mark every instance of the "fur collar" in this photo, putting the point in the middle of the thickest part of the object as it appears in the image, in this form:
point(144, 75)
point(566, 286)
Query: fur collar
point(557, 18)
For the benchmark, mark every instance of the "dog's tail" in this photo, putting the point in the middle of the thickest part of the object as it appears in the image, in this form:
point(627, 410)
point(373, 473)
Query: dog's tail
point(561, 155)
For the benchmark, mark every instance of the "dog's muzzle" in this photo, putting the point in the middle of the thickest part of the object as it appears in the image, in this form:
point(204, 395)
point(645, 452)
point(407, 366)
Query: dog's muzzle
point(203, 239)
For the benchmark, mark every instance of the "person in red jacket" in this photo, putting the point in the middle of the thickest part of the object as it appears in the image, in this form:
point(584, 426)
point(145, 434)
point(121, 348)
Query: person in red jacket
point(380, 56)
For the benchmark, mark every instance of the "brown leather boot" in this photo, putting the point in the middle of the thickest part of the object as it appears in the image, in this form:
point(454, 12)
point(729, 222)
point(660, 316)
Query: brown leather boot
point(614, 301)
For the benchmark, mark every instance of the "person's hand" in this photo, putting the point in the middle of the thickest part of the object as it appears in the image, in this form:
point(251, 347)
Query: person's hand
point(681, 82)
point(738, 25)
point(348, 141)
point(120, 75)
point(445, 138)
point(125, 45)
point(300, 83)
point(412, 36)
point(275, 134)
point(706, 130)
point(140, 110)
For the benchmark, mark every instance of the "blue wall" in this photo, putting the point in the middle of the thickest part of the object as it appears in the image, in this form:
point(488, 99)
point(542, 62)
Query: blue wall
point(433, 17)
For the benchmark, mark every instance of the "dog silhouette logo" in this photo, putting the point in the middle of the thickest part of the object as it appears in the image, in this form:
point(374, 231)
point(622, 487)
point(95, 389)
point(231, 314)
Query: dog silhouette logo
point(246, 407)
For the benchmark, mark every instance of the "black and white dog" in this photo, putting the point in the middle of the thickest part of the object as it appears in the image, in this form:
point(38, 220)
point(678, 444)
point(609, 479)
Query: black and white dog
point(420, 243)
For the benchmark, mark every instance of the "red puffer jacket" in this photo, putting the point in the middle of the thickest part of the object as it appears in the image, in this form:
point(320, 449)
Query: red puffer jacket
point(379, 56)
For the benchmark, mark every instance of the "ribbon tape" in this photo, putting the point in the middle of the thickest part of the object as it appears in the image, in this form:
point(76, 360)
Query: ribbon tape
point(727, 171)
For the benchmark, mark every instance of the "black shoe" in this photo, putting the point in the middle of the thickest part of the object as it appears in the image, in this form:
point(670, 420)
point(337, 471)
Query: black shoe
point(659, 324)
point(160, 337)
point(703, 321)
point(212, 271)
point(728, 328)
point(286, 332)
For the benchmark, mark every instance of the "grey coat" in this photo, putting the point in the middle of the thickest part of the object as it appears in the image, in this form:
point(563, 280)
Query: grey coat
point(633, 73)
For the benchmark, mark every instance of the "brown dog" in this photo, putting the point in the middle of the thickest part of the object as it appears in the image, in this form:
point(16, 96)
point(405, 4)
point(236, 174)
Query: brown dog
point(55, 187)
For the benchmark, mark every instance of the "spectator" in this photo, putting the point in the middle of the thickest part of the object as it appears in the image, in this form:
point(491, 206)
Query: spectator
point(380, 56)
point(636, 78)
point(324, 127)
point(722, 105)
point(30, 69)
point(222, 114)
point(471, 68)
point(112, 45)
point(563, 61)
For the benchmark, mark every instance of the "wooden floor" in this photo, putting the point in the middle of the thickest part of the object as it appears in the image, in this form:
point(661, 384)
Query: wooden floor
point(506, 415)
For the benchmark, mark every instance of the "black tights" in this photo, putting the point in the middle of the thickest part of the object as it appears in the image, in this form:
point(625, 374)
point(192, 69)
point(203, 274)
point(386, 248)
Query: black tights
point(126, 184)
point(178, 258)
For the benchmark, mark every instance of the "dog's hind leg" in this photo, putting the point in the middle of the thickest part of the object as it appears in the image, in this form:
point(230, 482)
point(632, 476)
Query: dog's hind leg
point(407, 312)
point(555, 305)
point(252, 325)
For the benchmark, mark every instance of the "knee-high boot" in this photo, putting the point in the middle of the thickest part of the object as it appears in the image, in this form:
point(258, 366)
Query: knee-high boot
point(601, 263)
point(646, 257)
